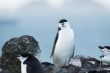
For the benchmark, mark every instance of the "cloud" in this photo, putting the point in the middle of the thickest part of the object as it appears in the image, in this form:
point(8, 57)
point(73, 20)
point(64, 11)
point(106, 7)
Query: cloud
point(56, 3)
point(12, 5)
point(104, 3)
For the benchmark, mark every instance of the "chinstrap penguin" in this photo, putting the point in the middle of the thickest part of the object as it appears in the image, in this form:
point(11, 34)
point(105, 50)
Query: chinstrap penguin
point(29, 64)
point(64, 44)
point(105, 58)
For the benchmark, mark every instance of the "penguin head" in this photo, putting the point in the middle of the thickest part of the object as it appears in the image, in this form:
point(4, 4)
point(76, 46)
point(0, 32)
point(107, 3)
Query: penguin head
point(105, 48)
point(63, 23)
point(23, 56)
point(63, 20)
point(101, 47)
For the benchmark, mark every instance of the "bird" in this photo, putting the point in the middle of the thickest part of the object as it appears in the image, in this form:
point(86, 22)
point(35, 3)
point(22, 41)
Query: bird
point(105, 58)
point(29, 64)
point(64, 44)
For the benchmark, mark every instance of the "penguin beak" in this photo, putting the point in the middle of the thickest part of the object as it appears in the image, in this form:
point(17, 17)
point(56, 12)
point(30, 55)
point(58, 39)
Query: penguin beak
point(62, 23)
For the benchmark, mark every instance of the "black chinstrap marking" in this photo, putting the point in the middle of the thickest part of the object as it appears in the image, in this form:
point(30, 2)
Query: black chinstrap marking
point(63, 20)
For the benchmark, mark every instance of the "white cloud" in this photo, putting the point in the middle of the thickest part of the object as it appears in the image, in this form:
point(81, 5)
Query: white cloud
point(12, 5)
point(56, 3)
point(104, 3)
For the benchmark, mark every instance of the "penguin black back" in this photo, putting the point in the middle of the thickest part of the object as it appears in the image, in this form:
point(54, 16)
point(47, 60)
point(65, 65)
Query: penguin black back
point(33, 64)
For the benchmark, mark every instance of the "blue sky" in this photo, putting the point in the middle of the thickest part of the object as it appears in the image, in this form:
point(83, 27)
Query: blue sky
point(90, 20)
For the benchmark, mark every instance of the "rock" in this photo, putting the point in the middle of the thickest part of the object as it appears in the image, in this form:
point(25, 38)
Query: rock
point(88, 63)
point(46, 64)
point(27, 44)
point(23, 44)
point(50, 68)
point(76, 62)
point(73, 69)
point(101, 71)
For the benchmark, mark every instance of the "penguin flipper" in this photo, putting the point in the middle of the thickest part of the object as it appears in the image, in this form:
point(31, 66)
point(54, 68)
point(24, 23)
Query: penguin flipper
point(73, 52)
point(56, 38)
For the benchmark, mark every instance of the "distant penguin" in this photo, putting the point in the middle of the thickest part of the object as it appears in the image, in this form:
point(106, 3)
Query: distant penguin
point(64, 44)
point(105, 58)
point(29, 64)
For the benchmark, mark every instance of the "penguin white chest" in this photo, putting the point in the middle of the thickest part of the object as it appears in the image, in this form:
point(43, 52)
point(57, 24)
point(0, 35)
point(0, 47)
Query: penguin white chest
point(23, 68)
point(64, 47)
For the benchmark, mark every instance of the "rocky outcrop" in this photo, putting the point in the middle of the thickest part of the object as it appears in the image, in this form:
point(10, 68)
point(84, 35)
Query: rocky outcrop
point(50, 68)
point(88, 65)
point(27, 44)
point(101, 71)
point(23, 44)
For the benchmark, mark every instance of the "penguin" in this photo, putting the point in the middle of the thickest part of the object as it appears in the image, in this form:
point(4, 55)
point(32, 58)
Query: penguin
point(29, 64)
point(64, 44)
point(105, 58)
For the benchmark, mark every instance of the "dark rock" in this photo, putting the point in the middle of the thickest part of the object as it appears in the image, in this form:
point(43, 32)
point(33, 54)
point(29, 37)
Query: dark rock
point(101, 71)
point(87, 63)
point(50, 68)
point(46, 64)
point(23, 44)
point(73, 69)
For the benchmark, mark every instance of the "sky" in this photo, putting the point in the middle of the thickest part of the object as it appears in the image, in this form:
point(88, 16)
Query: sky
point(90, 20)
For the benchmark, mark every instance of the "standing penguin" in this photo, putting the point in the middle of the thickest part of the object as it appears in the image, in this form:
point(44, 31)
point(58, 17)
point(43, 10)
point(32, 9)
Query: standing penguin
point(105, 58)
point(29, 64)
point(64, 44)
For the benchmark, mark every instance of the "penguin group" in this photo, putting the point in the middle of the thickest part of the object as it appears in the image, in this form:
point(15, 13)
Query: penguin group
point(62, 51)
